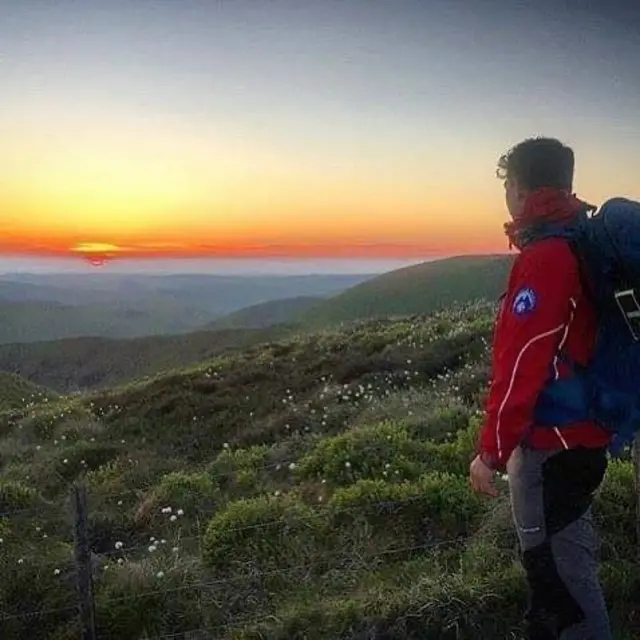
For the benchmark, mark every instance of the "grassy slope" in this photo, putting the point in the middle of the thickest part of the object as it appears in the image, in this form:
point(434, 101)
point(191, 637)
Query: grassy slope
point(88, 363)
point(422, 288)
point(310, 488)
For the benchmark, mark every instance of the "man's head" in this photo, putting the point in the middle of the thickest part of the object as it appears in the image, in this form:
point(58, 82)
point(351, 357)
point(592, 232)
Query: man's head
point(533, 164)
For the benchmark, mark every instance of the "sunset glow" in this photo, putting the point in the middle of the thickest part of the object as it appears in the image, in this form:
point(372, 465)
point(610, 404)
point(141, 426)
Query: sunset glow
point(240, 131)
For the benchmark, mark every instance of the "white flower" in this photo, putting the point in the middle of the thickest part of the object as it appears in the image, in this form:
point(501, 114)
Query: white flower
point(175, 549)
point(56, 572)
point(173, 518)
point(180, 512)
point(119, 545)
point(152, 548)
point(160, 574)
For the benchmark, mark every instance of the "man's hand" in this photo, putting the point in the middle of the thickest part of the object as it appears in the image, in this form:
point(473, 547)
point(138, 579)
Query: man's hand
point(481, 478)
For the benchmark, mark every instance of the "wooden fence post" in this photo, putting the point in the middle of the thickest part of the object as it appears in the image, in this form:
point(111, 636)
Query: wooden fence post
point(83, 563)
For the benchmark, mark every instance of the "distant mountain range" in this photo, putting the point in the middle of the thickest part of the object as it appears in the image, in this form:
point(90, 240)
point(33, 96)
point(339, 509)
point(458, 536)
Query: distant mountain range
point(78, 363)
point(57, 306)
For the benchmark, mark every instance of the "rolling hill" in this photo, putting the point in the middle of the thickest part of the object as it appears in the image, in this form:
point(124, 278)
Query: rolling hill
point(31, 321)
point(79, 364)
point(422, 288)
point(86, 363)
point(37, 307)
point(265, 314)
point(311, 487)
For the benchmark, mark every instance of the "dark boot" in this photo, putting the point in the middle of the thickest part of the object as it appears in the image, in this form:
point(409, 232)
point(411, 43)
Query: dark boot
point(539, 631)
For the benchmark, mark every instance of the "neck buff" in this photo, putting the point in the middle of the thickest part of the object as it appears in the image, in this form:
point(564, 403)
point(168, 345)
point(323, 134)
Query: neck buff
point(545, 205)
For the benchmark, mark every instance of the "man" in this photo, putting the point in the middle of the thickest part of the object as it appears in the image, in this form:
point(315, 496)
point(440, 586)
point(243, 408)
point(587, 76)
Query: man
point(552, 473)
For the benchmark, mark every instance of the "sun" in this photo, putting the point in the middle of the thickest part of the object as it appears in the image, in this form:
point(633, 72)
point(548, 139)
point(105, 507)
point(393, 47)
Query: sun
point(97, 254)
point(96, 247)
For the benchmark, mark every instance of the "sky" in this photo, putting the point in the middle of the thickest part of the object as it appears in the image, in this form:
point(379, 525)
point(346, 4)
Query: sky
point(292, 130)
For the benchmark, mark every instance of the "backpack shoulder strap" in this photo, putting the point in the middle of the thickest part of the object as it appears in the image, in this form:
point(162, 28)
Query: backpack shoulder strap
point(582, 270)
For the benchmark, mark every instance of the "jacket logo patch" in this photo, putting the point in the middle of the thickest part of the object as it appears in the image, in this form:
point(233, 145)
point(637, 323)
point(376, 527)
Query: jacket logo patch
point(524, 302)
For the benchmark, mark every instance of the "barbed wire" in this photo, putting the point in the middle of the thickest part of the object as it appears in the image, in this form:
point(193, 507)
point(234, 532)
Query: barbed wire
point(312, 512)
point(205, 584)
point(38, 613)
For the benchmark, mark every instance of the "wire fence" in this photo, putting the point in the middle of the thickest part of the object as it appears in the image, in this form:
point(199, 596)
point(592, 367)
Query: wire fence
point(79, 581)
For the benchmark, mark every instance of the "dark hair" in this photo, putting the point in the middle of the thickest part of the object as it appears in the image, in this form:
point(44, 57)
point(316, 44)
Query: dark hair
point(537, 163)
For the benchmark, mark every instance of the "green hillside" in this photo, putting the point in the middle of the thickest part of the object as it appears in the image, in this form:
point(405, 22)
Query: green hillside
point(87, 363)
point(34, 320)
point(266, 314)
point(422, 288)
point(313, 487)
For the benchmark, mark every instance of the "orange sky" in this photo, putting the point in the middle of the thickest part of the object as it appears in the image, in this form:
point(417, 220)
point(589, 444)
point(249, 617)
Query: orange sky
point(75, 188)
point(163, 195)
point(231, 130)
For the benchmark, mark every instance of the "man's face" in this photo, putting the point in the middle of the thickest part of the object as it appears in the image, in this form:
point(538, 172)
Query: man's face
point(515, 197)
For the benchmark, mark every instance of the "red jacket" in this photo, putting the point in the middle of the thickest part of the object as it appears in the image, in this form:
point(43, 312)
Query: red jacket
point(545, 308)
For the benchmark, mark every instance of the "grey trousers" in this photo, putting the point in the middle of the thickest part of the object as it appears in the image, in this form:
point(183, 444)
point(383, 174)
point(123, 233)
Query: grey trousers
point(551, 498)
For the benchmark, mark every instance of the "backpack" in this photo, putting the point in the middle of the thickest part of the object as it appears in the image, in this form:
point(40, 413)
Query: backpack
point(606, 390)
